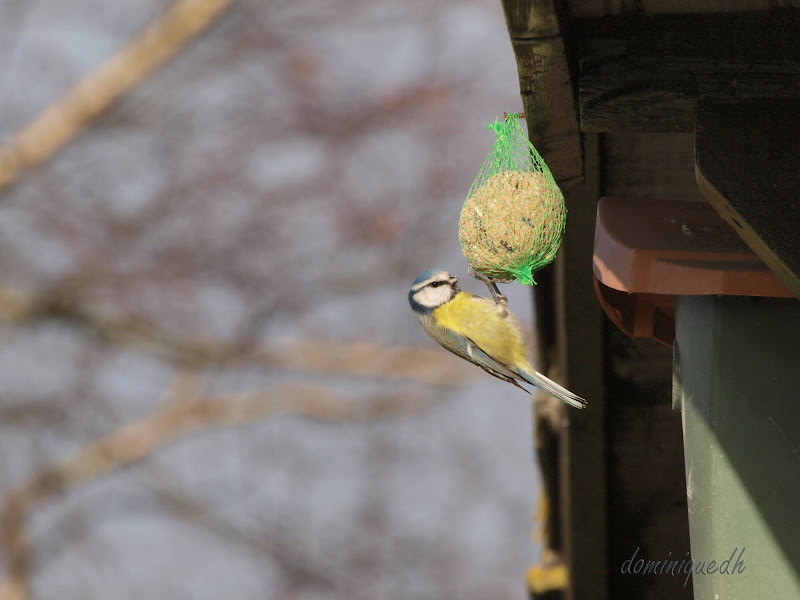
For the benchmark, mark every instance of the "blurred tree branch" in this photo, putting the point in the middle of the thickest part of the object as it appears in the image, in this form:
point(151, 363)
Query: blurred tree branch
point(185, 411)
point(294, 566)
point(357, 359)
point(64, 119)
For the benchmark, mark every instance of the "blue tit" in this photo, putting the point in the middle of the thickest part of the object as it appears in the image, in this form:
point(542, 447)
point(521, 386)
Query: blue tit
point(479, 330)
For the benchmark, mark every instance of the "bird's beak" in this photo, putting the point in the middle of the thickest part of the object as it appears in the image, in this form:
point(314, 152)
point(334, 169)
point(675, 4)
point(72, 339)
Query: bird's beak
point(453, 280)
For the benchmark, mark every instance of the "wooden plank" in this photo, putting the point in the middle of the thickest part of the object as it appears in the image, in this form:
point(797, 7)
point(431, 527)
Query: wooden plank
point(548, 96)
point(645, 491)
point(544, 579)
point(645, 73)
point(746, 156)
point(582, 9)
point(647, 506)
point(650, 166)
point(531, 19)
point(579, 321)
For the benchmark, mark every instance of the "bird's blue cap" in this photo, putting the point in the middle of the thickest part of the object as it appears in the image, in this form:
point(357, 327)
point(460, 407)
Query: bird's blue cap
point(425, 275)
point(418, 308)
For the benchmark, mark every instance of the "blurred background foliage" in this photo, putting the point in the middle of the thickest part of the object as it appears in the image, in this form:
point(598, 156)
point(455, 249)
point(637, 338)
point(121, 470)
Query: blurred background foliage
point(211, 383)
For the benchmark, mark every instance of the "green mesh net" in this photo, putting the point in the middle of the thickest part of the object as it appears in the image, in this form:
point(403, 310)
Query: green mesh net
point(513, 219)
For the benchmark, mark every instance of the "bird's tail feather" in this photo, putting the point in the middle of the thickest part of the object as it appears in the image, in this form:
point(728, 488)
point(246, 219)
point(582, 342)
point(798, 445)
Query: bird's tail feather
point(552, 388)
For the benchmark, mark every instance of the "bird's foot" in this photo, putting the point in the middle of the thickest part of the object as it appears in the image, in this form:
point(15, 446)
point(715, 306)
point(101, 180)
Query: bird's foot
point(491, 284)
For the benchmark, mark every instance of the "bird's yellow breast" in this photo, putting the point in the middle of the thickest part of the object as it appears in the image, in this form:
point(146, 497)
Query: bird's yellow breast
point(490, 326)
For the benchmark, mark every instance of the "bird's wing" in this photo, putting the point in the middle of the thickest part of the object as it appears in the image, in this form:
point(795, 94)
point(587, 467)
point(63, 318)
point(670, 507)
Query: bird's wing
point(552, 388)
point(493, 341)
point(466, 348)
point(487, 362)
point(489, 326)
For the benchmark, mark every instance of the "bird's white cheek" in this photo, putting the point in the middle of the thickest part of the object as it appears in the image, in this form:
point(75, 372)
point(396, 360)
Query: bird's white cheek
point(432, 297)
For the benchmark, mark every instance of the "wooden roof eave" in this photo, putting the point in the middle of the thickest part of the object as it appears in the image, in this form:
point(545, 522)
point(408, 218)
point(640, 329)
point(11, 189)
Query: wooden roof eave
point(546, 86)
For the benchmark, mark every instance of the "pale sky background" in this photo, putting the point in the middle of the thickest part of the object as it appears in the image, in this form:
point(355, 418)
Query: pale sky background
point(281, 182)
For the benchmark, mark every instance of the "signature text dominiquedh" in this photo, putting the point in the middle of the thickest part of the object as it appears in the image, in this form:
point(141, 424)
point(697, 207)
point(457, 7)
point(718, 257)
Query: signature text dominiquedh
point(730, 566)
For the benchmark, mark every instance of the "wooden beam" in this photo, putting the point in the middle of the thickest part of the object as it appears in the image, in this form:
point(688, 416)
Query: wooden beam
point(579, 320)
point(746, 161)
point(649, 165)
point(581, 9)
point(643, 72)
point(546, 87)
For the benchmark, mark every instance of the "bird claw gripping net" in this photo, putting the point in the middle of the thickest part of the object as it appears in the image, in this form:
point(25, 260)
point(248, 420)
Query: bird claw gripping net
point(513, 219)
